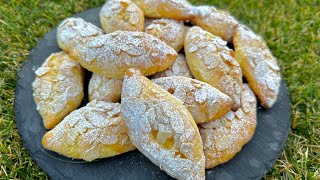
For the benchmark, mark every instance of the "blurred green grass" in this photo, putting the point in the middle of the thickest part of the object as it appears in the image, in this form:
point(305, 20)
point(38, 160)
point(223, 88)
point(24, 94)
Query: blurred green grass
point(291, 29)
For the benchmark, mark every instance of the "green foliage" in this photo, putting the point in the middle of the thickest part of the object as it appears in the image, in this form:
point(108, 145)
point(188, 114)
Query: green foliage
point(290, 27)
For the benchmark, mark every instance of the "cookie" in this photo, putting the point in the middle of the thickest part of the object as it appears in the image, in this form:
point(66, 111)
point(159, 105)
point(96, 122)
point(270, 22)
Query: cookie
point(224, 137)
point(204, 102)
point(170, 31)
point(211, 61)
point(161, 127)
point(258, 65)
point(217, 22)
point(104, 89)
point(178, 68)
point(91, 132)
point(121, 15)
point(57, 88)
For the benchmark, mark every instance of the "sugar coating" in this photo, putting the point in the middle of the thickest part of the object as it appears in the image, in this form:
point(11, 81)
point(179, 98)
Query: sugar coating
point(57, 88)
point(161, 128)
point(258, 65)
point(112, 54)
point(170, 31)
point(178, 68)
point(93, 131)
point(173, 9)
point(211, 61)
point(224, 137)
point(203, 101)
point(121, 15)
point(217, 22)
point(104, 89)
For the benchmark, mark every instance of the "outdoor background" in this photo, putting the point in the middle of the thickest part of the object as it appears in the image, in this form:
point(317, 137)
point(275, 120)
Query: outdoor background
point(291, 29)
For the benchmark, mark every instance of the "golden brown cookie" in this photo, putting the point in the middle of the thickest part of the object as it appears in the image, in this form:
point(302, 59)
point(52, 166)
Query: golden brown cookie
point(173, 9)
point(211, 61)
point(258, 65)
point(162, 128)
point(104, 89)
point(178, 68)
point(112, 54)
point(219, 23)
point(91, 132)
point(204, 102)
point(121, 15)
point(57, 88)
point(224, 137)
point(170, 31)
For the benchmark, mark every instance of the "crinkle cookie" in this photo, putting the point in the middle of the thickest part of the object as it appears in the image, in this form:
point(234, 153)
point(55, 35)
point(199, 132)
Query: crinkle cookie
point(178, 68)
point(91, 132)
point(104, 89)
point(173, 9)
point(57, 88)
point(224, 137)
point(211, 61)
point(162, 128)
point(112, 54)
point(204, 102)
point(258, 65)
point(219, 23)
point(121, 15)
point(170, 31)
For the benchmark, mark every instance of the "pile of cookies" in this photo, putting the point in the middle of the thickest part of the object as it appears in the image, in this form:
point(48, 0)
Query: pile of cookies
point(183, 101)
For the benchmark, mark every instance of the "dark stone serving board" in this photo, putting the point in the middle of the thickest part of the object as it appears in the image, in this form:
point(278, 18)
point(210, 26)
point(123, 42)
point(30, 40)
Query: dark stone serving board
point(254, 160)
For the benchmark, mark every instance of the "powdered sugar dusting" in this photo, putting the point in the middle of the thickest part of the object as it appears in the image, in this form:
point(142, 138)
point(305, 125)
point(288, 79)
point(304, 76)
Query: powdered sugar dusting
point(104, 89)
point(59, 81)
point(178, 68)
point(211, 61)
point(259, 66)
point(170, 31)
point(90, 132)
point(224, 137)
point(161, 128)
point(200, 98)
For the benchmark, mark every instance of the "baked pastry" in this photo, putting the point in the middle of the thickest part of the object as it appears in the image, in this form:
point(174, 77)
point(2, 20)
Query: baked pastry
point(57, 88)
point(258, 65)
point(218, 22)
point(104, 89)
point(112, 54)
point(173, 9)
point(224, 137)
point(73, 32)
point(170, 31)
point(161, 127)
point(178, 68)
point(203, 101)
point(121, 15)
point(211, 61)
point(91, 132)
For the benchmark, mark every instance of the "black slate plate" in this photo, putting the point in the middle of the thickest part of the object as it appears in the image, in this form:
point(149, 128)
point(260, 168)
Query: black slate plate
point(255, 159)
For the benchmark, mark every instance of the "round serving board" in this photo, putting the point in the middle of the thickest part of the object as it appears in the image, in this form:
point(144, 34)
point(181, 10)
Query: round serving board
point(254, 160)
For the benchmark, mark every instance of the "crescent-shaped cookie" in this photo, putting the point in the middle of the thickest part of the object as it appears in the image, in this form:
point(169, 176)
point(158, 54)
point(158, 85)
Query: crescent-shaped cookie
point(170, 31)
point(121, 15)
point(57, 88)
point(224, 137)
point(173, 9)
point(104, 89)
point(211, 61)
point(91, 132)
point(204, 102)
point(112, 54)
point(178, 68)
point(258, 65)
point(162, 128)
point(217, 22)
